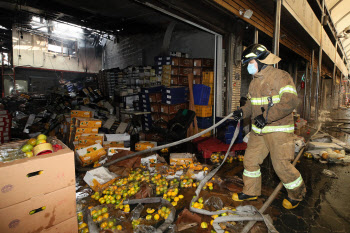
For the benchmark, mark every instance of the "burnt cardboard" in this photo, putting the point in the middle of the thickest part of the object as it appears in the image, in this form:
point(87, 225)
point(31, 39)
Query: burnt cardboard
point(68, 226)
point(59, 207)
point(58, 171)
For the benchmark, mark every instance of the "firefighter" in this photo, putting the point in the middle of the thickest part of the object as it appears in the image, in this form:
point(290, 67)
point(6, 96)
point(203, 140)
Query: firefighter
point(272, 98)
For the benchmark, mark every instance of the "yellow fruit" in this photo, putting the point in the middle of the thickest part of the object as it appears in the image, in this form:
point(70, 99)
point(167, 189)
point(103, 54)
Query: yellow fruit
point(119, 228)
point(181, 196)
point(196, 205)
point(81, 226)
point(104, 225)
point(150, 211)
point(106, 215)
point(215, 216)
point(204, 225)
point(211, 222)
point(174, 203)
point(200, 200)
point(40, 141)
point(90, 207)
point(148, 217)
point(93, 212)
point(156, 216)
point(176, 199)
point(110, 224)
point(41, 137)
point(32, 141)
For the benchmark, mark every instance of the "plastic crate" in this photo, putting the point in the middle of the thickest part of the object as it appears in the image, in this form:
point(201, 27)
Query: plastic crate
point(201, 94)
point(208, 77)
point(211, 100)
point(174, 101)
point(204, 122)
point(204, 111)
point(175, 91)
point(150, 90)
point(208, 134)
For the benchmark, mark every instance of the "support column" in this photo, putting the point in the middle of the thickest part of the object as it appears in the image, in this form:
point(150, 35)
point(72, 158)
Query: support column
point(334, 77)
point(256, 36)
point(276, 33)
point(295, 72)
point(319, 63)
point(305, 92)
point(311, 77)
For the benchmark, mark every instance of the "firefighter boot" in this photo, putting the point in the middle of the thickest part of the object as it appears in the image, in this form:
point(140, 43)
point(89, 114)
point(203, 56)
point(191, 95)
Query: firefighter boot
point(243, 197)
point(289, 203)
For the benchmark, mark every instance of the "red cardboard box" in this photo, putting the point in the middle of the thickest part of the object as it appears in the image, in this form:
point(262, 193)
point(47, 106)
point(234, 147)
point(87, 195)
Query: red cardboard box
point(185, 62)
point(47, 173)
point(56, 207)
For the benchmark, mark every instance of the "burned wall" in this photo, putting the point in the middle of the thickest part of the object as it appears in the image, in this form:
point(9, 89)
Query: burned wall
point(140, 49)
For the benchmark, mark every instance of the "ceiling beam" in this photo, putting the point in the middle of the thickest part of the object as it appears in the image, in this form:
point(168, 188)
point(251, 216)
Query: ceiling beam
point(335, 5)
point(342, 18)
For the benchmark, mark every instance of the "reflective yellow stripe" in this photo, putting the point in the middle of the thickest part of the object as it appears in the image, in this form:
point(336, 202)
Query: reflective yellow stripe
point(271, 129)
point(296, 183)
point(251, 55)
point(253, 174)
point(264, 101)
point(288, 89)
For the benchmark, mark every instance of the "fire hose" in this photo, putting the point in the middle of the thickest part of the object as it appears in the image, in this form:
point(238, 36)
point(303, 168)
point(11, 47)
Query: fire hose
point(242, 213)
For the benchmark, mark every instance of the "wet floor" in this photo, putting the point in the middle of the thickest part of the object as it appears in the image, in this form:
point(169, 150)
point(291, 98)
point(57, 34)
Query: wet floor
point(326, 207)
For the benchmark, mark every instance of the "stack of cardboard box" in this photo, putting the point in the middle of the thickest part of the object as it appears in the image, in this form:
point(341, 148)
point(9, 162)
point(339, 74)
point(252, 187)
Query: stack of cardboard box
point(38, 193)
point(88, 143)
point(5, 126)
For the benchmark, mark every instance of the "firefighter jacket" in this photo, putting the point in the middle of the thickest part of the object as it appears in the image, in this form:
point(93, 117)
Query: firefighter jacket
point(278, 84)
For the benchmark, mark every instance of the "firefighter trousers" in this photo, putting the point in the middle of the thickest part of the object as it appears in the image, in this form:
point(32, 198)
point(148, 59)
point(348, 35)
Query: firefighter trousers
point(281, 147)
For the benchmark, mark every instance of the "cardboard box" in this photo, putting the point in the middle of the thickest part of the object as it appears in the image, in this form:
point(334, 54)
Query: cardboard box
point(91, 154)
point(115, 144)
point(99, 178)
point(59, 207)
point(181, 158)
point(183, 80)
point(197, 80)
point(78, 113)
point(173, 108)
point(155, 97)
point(56, 171)
point(87, 122)
point(90, 138)
point(68, 226)
point(203, 62)
point(175, 61)
point(185, 71)
point(155, 107)
point(174, 70)
point(144, 145)
point(80, 130)
point(185, 62)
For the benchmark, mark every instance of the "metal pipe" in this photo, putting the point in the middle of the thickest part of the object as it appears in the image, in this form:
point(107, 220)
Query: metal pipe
point(271, 197)
point(311, 77)
point(256, 36)
point(276, 33)
point(319, 64)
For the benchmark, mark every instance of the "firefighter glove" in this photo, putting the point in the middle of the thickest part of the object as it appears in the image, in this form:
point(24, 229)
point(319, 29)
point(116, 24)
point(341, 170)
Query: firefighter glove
point(238, 114)
point(260, 121)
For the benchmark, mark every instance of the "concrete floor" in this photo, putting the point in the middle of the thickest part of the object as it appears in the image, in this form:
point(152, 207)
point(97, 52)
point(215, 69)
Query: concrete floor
point(326, 207)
